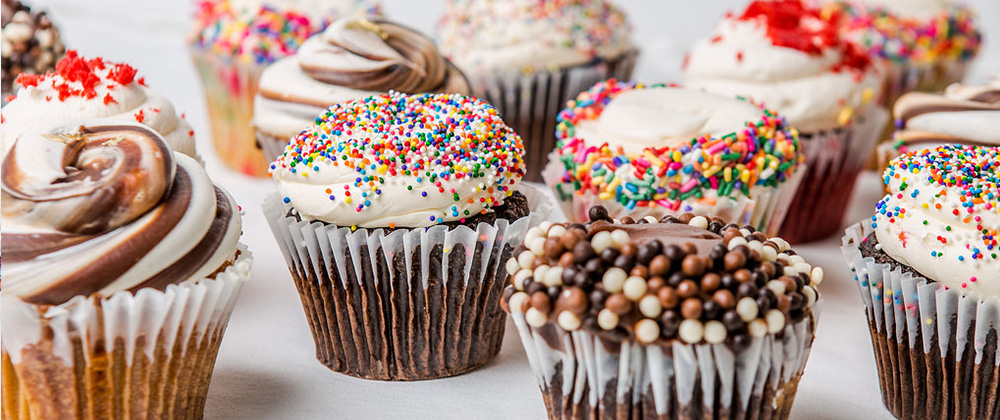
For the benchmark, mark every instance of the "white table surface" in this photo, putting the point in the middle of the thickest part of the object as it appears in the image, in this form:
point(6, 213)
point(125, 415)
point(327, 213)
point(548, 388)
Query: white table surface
point(266, 367)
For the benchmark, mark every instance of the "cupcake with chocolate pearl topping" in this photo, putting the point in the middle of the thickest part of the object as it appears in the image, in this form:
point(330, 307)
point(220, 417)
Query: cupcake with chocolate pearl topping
point(410, 204)
point(641, 318)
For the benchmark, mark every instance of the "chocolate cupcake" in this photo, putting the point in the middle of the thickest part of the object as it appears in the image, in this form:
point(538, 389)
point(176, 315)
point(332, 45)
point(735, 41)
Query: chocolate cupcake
point(395, 214)
point(353, 59)
point(123, 266)
point(653, 150)
point(928, 271)
point(31, 44)
point(686, 317)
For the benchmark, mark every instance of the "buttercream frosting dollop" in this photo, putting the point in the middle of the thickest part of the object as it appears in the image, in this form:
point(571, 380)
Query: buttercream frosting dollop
point(93, 88)
point(941, 216)
point(353, 58)
point(398, 160)
point(788, 57)
point(103, 206)
point(966, 114)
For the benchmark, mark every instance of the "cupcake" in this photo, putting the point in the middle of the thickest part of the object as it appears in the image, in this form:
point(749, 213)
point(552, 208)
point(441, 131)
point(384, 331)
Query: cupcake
point(31, 44)
point(232, 42)
point(656, 150)
point(963, 114)
point(354, 58)
point(787, 56)
point(395, 214)
point(123, 266)
point(92, 88)
point(528, 57)
point(927, 269)
point(926, 44)
point(684, 318)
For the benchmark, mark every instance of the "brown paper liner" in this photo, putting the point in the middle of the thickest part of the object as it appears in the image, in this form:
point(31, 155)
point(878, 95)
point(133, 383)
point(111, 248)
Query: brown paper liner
point(530, 104)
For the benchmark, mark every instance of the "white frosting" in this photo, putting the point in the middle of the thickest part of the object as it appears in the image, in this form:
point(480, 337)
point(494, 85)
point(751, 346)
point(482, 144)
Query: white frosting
point(659, 117)
point(35, 105)
point(911, 242)
point(484, 37)
point(739, 59)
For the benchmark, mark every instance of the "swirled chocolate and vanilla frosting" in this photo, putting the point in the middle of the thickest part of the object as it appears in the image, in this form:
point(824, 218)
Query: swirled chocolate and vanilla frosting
point(353, 58)
point(92, 88)
point(93, 207)
point(963, 114)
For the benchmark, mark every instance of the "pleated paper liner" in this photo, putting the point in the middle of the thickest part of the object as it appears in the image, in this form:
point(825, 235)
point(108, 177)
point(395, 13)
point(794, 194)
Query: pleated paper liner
point(408, 305)
point(146, 355)
point(585, 376)
point(765, 211)
point(530, 103)
point(229, 86)
point(935, 349)
point(834, 158)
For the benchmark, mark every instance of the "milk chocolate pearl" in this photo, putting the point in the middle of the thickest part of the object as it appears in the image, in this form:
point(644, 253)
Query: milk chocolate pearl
point(790, 284)
point(628, 220)
point(675, 279)
point(743, 275)
point(711, 282)
point(659, 265)
point(746, 289)
point(730, 233)
point(609, 254)
point(598, 213)
point(539, 261)
point(629, 249)
point(687, 288)
point(668, 297)
point(691, 308)
point(553, 247)
point(639, 271)
point(566, 259)
point(655, 283)
point(686, 217)
point(673, 253)
point(769, 268)
point(757, 236)
point(732, 321)
point(784, 303)
point(541, 302)
point(582, 252)
point(570, 238)
point(689, 248)
point(597, 298)
point(740, 342)
point(710, 310)
point(618, 303)
point(724, 298)
point(669, 322)
point(625, 262)
point(734, 260)
point(693, 265)
point(574, 299)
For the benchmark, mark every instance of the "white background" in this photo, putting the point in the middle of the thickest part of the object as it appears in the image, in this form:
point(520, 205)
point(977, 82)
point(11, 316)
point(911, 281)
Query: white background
point(266, 367)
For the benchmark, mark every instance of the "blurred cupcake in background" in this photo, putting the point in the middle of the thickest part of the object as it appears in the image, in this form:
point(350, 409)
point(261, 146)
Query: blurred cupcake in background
point(926, 44)
point(353, 58)
point(528, 57)
point(787, 56)
point(31, 44)
point(232, 42)
point(660, 150)
point(963, 114)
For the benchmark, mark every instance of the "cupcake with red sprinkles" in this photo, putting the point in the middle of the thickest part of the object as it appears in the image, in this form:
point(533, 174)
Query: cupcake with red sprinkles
point(928, 270)
point(655, 150)
point(232, 42)
point(395, 214)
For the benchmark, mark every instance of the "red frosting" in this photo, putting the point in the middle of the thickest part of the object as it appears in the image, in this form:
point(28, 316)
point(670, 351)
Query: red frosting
point(73, 69)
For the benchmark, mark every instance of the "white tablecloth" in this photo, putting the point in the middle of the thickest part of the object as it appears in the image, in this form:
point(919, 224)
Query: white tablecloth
point(266, 367)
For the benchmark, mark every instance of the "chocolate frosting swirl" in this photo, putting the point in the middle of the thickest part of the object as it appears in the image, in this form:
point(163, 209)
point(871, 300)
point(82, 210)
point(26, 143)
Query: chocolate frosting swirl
point(105, 207)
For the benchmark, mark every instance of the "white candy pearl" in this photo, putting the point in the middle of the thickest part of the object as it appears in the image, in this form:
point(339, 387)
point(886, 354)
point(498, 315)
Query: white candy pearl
point(691, 331)
point(619, 237)
point(802, 268)
point(776, 286)
point(810, 295)
point(601, 241)
point(816, 276)
point(769, 254)
point(607, 319)
point(747, 309)
point(556, 231)
point(634, 288)
point(757, 328)
point(536, 318)
point(553, 277)
point(512, 265)
point(775, 321)
point(647, 331)
point(614, 280)
point(715, 332)
point(516, 302)
point(520, 277)
point(650, 306)
point(650, 219)
point(745, 232)
point(537, 246)
point(539, 273)
point(544, 226)
point(796, 259)
point(534, 233)
point(568, 321)
point(699, 222)
point(526, 259)
point(735, 242)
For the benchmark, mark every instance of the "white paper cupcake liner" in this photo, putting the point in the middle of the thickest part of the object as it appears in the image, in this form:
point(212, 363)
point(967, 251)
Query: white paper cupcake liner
point(411, 304)
point(584, 376)
point(936, 350)
point(764, 209)
point(530, 103)
point(147, 354)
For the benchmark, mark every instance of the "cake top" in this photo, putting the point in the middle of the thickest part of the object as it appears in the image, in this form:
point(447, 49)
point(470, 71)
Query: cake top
point(965, 114)
point(665, 145)
point(31, 43)
point(941, 215)
point(692, 279)
point(261, 31)
point(401, 160)
point(82, 87)
point(526, 36)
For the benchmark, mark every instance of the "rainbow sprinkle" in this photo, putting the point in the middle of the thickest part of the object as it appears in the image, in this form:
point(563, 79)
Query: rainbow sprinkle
point(424, 139)
point(766, 153)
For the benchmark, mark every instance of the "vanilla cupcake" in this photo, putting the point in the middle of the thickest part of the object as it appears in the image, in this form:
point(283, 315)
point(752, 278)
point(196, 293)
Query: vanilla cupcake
point(354, 58)
point(31, 43)
point(528, 57)
point(656, 150)
point(122, 268)
point(93, 88)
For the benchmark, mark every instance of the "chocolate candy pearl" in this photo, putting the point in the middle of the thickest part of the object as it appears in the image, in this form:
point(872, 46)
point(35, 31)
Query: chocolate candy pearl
point(728, 281)
point(673, 253)
point(639, 271)
point(732, 321)
point(740, 342)
point(541, 302)
point(746, 289)
point(655, 283)
point(769, 268)
point(539, 261)
point(718, 252)
point(745, 250)
point(553, 248)
point(790, 284)
point(710, 310)
point(649, 251)
point(581, 278)
point(691, 308)
point(659, 265)
point(759, 276)
point(668, 297)
point(790, 252)
point(724, 298)
point(608, 255)
point(594, 268)
point(784, 303)
point(743, 275)
point(797, 300)
point(580, 227)
point(686, 217)
point(729, 234)
point(553, 291)
point(669, 323)
point(763, 304)
point(582, 252)
point(531, 286)
point(570, 238)
point(597, 298)
point(569, 275)
point(619, 304)
point(710, 282)
point(715, 227)
point(629, 249)
point(689, 248)
point(693, 265)
point(757, 236)
point(669, 219)
point(574, 300)
point(796, 315)
point(734, 260)
point(590, 324)
point(598, 213)
point(628, 220)
point(675, 279)
point(625, 262)
point(687, 288)
point(567, 259)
